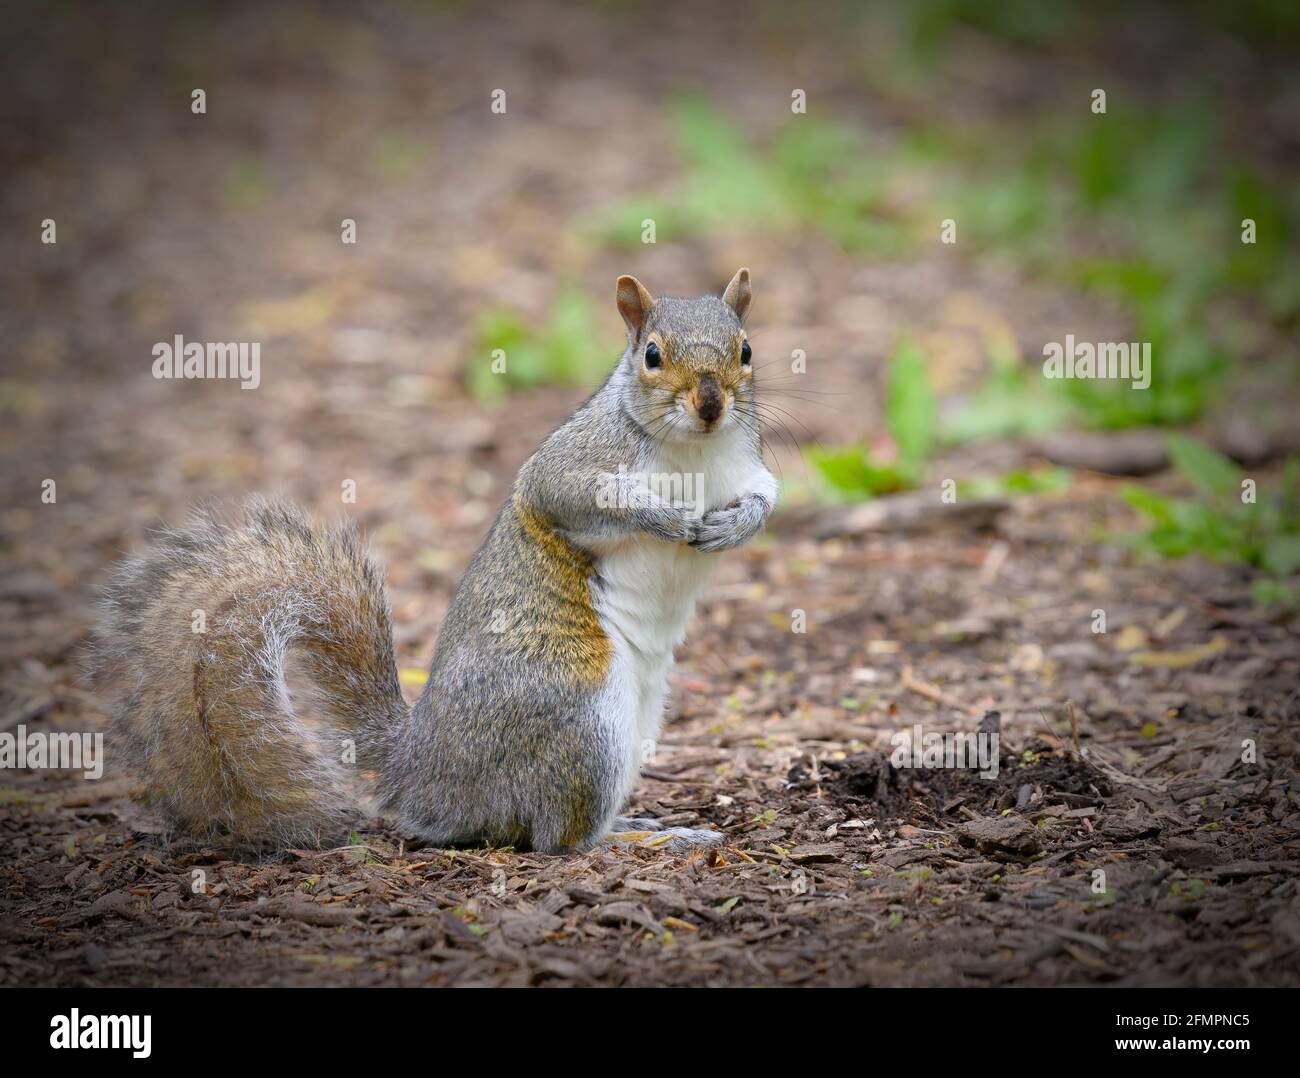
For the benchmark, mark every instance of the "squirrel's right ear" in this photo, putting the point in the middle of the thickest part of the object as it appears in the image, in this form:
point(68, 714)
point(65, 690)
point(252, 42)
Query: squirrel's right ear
point(737, 294)
point(634, 303)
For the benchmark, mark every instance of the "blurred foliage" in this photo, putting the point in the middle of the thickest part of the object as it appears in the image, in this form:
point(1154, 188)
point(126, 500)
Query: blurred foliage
point(1011, 402)
point(1151, 179)
point(1176, 237)
point(853, 473)
point(815, 175)
point(1135, 205)
point(1141, 206)
point(569, 348)
point(1017, 481)
point(910, 408)
point(1187, 375)
point(929, 25)
point(1149, 185)
point(1216, 522)
point(911, 415)
point(1269, 592)
point(1014, 400)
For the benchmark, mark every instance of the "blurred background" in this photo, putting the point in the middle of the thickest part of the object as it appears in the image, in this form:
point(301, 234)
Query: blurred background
point(832, 148)
point(823, 145)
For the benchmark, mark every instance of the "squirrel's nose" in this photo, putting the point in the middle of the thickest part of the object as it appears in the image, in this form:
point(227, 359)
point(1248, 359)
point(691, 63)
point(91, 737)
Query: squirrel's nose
point(708, 399)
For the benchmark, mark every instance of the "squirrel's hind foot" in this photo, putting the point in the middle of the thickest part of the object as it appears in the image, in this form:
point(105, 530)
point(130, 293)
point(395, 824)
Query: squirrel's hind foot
point(676, 839)
point(635, 823)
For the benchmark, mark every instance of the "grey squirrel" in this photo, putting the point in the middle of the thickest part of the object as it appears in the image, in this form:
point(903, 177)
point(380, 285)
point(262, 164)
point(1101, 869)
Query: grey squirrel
point(550, 673)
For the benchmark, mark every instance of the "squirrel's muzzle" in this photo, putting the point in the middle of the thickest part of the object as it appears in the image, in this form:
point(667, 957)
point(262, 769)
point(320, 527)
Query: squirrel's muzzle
point(708, 400)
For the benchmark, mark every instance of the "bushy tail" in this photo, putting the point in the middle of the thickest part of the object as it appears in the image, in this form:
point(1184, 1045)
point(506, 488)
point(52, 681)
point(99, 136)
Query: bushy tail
point(202, 629)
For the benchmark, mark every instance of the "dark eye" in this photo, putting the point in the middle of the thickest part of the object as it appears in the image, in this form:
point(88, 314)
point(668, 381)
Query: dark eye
point(745, 353)
point(652, 357)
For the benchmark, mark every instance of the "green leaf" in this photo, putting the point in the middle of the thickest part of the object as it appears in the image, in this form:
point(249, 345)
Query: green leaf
point(910, 408)
point(1008, 404)
point(569, 348)
point(1268, 592)
point(1209, 472)
point(851, 471)
point(844, 469)
point(1158, 508)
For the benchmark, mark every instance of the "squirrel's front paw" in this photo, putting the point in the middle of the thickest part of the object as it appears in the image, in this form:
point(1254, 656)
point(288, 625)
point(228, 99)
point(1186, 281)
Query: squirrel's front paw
point(725, 529)
point(681, 530)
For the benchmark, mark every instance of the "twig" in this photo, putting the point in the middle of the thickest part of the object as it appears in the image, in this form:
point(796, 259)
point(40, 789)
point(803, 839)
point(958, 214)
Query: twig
point(933, 692)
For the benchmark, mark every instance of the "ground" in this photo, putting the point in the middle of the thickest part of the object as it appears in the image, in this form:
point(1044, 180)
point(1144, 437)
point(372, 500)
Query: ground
point(1142, 825)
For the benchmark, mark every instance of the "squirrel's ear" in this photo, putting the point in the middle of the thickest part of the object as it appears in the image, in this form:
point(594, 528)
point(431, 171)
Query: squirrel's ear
point(737, 294)
point(634, 302)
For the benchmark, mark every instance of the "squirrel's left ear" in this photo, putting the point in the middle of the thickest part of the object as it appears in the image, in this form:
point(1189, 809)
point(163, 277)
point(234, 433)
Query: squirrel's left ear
point(737, 294)
point(634, 302)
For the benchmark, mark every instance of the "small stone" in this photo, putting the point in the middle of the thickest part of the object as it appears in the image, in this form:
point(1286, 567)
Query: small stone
point(1000, 835)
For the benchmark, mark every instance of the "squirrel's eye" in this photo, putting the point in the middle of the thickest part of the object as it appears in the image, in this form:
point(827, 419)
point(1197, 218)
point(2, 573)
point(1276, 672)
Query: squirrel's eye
point(652, 357)
point(745, 353)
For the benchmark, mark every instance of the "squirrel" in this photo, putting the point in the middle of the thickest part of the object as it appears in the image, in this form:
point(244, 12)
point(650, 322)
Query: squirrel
point(549, 678)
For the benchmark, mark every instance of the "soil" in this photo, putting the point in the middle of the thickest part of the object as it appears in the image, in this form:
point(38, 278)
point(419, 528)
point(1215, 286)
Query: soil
point(1142, 825)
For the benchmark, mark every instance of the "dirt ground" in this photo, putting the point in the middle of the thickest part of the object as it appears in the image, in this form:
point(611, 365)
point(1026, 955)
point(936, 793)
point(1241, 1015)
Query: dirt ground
point(1123, 842)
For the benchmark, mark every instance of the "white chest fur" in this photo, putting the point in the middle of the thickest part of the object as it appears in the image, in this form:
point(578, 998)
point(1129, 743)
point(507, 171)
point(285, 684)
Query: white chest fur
point(649, 587)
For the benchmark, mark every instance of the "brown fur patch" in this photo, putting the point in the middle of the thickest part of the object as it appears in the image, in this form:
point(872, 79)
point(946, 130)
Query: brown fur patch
point(574, 638)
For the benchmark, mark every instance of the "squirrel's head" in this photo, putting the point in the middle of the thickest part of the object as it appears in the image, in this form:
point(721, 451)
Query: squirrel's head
point(688, 361)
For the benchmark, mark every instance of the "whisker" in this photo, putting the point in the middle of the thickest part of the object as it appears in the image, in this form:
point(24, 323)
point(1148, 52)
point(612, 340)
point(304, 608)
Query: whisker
point(787, 413)
point(781, 430)
point(751, 424)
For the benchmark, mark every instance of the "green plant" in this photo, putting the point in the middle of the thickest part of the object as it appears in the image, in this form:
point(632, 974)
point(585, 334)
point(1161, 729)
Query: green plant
point(1011, 402)
point(1187, 372)
point(1100, 175)
point(910, 408)
point(911, 415)
point(1281, 594)
point(850, 471)
point(814, 175)
point(1268, 265)
point(1218, 521)
point(928, 24)
point(513, 353)
point(1017, 481)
